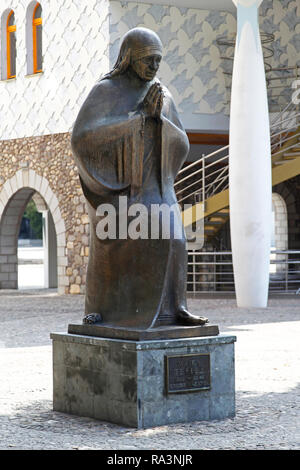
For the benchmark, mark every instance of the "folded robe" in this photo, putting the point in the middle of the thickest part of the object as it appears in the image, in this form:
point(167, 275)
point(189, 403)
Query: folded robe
point(120, 152)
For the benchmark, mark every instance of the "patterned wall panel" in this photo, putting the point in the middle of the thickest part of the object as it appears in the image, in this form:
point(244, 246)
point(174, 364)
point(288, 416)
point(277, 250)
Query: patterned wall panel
point(191, 66)
point(81, 41)
point(75, 50)
point(282, 18)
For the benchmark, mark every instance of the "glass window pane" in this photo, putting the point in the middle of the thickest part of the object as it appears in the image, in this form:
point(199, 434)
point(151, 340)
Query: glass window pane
point(13, 54)
point(11, 20)
point(38, 12)
point(39, 55)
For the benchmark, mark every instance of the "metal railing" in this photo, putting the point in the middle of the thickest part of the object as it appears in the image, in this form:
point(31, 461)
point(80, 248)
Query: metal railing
point(209, 175)
point(212, 272)
point(204, 177)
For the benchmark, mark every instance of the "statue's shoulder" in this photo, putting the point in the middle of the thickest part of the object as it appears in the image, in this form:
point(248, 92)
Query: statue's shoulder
point(101, 100)
point(167, 94)
point(101, 88)
point(169, 107)
point(98, 104)
point(169, 100)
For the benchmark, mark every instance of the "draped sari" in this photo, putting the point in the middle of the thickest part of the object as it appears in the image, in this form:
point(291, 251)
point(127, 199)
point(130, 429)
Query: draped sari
point(121, 152)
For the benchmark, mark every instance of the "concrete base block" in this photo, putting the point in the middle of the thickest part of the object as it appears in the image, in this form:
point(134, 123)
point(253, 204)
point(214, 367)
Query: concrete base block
point(130, 382)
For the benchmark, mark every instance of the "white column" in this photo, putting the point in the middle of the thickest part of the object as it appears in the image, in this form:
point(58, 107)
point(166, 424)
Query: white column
point(250, 183)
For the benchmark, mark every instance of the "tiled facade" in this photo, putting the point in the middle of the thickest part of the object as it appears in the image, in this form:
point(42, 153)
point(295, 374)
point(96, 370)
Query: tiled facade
point(80, 43)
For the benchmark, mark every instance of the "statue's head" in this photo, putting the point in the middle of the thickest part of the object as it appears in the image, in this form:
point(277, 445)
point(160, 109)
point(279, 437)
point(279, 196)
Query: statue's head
point(141, 50)
point(146, 52)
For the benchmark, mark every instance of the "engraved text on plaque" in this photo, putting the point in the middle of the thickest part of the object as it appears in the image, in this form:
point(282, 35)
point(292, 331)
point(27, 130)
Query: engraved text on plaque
point(187, 373)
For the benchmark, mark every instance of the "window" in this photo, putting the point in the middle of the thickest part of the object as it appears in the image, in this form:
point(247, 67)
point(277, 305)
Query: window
point(8, 45)
point(279, 234)
point(11, 45)
point(34, 25)
point(37, 39)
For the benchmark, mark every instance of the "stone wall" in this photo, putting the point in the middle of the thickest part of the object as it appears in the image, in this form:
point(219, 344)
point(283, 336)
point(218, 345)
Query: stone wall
point(46, 165)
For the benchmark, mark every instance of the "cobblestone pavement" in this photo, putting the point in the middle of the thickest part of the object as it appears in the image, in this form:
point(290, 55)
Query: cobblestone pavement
point(267, 380)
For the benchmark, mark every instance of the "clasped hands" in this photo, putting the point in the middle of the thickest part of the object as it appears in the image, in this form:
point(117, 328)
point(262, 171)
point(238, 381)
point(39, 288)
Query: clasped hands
point(153, 101)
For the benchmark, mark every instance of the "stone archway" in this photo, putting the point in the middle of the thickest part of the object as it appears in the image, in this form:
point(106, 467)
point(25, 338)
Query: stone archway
point(14, 196)
point(280, 222)
point(280, 228)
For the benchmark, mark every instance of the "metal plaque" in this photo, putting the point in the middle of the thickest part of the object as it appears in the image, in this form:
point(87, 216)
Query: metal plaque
point(187, 373)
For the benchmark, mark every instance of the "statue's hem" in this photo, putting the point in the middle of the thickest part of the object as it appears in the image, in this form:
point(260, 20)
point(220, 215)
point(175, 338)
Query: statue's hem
point(134, 334)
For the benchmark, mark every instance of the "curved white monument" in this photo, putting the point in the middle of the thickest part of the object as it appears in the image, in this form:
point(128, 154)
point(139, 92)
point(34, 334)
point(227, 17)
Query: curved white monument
point(250, 184)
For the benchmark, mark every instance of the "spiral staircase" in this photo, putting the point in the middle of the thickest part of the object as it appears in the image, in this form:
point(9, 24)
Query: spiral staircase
point(205, 182)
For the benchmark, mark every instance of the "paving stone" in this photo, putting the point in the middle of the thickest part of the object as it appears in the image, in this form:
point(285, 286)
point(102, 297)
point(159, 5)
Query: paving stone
point(267, 380)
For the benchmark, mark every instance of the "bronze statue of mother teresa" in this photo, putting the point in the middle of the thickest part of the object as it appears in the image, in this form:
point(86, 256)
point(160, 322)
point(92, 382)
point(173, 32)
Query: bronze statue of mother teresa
point(129, 144)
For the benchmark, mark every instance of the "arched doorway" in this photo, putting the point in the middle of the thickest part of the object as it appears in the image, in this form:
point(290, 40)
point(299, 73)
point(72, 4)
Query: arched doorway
point(14, 197)
point(279, 238)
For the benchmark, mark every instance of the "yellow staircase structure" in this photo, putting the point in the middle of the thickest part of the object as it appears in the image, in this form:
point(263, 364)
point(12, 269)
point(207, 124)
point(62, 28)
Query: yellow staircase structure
point(207, 180)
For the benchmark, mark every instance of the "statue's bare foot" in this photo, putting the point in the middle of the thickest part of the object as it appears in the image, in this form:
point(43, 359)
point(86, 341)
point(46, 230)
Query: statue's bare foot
point(186, 318)
point(92, 318)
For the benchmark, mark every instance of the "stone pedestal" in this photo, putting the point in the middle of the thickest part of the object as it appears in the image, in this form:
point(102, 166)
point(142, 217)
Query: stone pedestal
point(144, 383)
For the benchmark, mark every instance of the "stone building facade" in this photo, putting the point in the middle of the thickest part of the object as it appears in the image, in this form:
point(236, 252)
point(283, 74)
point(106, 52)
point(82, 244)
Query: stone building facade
point(44, 165)
point(80, 43)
